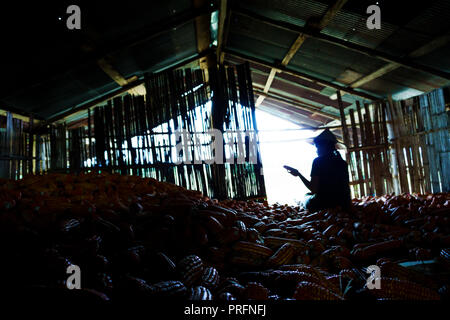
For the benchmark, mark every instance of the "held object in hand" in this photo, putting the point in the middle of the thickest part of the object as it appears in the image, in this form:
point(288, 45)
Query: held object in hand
point(292, 171)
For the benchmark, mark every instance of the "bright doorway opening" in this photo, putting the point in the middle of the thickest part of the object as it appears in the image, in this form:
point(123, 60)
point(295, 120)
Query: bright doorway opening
point(284, 143)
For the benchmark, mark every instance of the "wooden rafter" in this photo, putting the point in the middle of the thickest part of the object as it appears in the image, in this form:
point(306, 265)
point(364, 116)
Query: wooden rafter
point(304, 76)
point(327, 17)
point(121, 90)
point(202, 31)
point(423, 50)
point(297, 103)
point(221, 33)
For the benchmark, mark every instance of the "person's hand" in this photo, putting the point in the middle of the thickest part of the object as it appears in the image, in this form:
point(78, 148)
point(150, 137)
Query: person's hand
point(292, 171)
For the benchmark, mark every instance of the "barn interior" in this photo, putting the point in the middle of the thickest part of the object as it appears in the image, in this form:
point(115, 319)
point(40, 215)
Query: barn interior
point(136, 140)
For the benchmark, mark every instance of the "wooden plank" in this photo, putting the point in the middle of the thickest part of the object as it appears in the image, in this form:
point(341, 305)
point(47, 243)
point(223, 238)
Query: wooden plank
point(369, 139)
point(363, 152)
point(301, 75)
point(223, 17)
point(375, 74)
point(423, 146)
point(202, 31)
point(398, 145)
point(423, 50)
point(118, 92)
point(297, 103)
point(326, 18)
point(345, 136)
point(386, 157)
point(379, 170)
point(293, 49)
point(406, 119)
point(357, 154)
point(417, 166)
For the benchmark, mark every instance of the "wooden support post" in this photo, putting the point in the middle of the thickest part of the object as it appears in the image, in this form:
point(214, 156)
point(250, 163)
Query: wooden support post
point(345, 136)
point(357, 154)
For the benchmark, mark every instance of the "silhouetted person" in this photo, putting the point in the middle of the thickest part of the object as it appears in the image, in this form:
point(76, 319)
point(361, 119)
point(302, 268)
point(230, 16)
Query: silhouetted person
point(329, 183)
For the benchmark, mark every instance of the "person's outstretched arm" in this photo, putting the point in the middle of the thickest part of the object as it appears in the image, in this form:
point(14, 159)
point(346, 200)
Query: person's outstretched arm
point(309, 184)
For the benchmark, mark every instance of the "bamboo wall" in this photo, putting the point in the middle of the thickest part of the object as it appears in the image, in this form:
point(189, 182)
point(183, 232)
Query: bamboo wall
point(137, 134)
point(399, 146)
point(16, 147)
point(392, 146)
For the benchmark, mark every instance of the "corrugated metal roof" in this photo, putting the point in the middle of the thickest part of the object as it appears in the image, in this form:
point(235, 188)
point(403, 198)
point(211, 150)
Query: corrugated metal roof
point(352, 27)
point(163, 50)
point(329, 61)
point(438, 59)
point(432, 21)
point(85, 83)
point(291, 11)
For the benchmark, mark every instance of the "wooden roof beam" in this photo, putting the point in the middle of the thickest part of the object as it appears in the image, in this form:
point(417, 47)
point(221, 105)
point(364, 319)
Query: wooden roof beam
point(327, 17)
point(222, 30)
point(121, 90)
point(304, 76)
point(298, 104)
point(423, 50)
point(203, 33)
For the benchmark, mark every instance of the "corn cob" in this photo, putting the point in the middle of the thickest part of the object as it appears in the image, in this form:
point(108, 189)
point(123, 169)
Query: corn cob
point(226, 296)
point(276, 242)
point(334, 281)
point(332, 230)
point(403, 290)
point(394, 270)
point(232, 286)
point(210, 278)
point(311, 291)
point(249, 220)
point(260, 226)
point(191, 269)
point(253, 249)
point(304, 268)
point(230, 213)
point(69, 225)
point(283, 255)
point(255, 291)
point(173, 289)
point(255, 276)
point(445, 254)
point(242, 229)
point(213, 225)
point(376, 249)
point(221, 217)
point(252, 235)
point(275, 233)
point(349, 273)
point(228, 236)
point(200, 293)
point(340, 262)
point(247, 260)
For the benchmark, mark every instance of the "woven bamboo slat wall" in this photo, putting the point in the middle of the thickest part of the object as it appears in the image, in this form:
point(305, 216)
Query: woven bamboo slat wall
point(400, 146)
point(367, 149)
point(16, 147)
point(392, 146)
point(140, 135)
point(423, 142)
